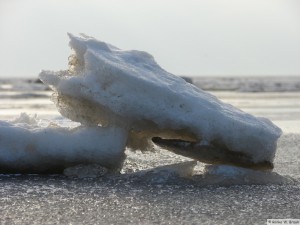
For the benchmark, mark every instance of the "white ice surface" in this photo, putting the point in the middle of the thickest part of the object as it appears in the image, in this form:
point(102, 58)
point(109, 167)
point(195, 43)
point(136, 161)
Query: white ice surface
point(106, 85)
point(26, 146)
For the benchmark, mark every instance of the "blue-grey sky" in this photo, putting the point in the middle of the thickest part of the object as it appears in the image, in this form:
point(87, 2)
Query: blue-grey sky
point(190, 37)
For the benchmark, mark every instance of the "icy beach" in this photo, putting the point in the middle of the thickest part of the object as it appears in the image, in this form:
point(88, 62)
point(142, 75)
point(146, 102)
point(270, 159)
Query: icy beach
point(113, 102)
point(153, 197)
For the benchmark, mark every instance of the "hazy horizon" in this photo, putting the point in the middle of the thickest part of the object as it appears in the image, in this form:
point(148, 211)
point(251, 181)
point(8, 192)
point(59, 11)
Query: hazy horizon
point(188, 38)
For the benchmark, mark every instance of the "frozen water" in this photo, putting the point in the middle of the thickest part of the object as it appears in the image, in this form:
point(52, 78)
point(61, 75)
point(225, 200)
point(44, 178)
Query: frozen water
point(106, 85)
point(25, 146)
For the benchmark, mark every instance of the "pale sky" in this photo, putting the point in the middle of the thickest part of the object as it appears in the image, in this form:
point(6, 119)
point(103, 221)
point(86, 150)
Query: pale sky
point(186, 37)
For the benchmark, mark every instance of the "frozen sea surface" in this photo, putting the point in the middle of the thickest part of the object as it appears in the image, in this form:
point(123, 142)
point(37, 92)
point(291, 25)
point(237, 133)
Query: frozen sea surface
point(148, 192)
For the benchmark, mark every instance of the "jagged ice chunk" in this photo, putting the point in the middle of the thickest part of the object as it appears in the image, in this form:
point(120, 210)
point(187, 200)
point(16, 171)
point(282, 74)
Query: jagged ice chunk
point(106, 85)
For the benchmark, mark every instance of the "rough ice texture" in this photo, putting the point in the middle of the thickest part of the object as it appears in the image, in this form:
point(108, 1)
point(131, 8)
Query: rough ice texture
point(106, 85)
point(27, 147)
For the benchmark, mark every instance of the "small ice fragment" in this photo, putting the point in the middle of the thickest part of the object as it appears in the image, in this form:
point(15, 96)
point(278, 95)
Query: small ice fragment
point(231, 175)
point(166, 174)
point(183, 169)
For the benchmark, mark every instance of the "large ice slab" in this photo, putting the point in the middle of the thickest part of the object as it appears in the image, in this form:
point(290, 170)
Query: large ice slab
point(107, 85)
point(27, 147)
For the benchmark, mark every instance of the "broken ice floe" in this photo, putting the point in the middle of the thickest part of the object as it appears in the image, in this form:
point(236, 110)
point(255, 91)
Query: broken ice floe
point(27, 147)
point(124, 98)
point(109, 86)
